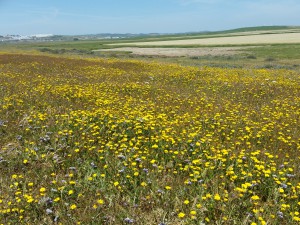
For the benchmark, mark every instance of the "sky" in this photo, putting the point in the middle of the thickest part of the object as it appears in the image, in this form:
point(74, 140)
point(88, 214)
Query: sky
point(71, 17)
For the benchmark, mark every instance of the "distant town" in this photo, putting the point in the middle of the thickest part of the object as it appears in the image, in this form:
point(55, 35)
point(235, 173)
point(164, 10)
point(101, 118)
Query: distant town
point(17, 37)
point(51, 37)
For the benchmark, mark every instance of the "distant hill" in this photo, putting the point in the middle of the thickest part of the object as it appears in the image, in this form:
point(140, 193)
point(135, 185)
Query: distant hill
point(259, 28)
point(244, 29)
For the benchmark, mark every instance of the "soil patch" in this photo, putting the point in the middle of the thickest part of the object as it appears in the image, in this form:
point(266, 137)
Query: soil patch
point(177, 52)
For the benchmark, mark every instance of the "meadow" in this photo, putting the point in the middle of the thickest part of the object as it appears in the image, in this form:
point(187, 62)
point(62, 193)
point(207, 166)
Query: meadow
point(111, 141)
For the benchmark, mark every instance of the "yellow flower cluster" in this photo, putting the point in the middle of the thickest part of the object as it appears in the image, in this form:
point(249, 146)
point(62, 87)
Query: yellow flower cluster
point(127, 141)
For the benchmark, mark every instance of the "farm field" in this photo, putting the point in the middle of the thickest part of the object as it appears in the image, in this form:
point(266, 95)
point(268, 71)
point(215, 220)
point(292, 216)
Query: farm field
point(121, 141)
point(231, 40)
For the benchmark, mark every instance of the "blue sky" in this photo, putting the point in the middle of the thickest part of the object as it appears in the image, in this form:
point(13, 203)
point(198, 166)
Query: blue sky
point(141, 16)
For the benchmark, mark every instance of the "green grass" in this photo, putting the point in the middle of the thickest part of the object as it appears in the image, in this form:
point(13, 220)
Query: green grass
point(279, 51)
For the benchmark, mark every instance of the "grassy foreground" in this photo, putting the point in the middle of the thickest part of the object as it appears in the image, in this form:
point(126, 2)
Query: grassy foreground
point(126, 142)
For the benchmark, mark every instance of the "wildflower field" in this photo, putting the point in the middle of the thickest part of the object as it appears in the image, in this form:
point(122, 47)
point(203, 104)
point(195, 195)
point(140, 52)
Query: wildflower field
point(105, 141)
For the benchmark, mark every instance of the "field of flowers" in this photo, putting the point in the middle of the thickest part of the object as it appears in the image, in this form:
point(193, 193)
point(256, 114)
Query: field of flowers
point(90, 141)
